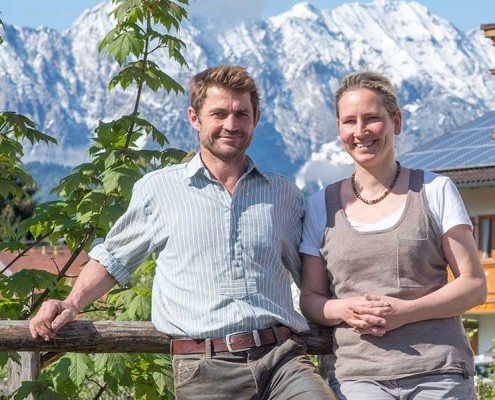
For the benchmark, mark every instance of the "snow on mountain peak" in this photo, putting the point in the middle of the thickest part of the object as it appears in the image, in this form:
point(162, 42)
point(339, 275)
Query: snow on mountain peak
point(298, 58)
point(300, 11)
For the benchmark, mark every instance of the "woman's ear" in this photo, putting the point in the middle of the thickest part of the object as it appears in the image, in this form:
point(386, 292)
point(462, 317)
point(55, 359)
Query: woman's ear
point(397, 123)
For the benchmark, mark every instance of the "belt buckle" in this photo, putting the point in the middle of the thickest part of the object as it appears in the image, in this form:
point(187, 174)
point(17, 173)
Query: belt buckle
point(228, 342)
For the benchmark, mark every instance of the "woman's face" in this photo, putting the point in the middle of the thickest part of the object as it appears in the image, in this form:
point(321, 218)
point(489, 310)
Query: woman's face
point(366, 128)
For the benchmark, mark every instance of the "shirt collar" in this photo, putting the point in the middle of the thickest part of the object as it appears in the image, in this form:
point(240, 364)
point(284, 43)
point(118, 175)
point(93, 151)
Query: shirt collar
point(196, 166)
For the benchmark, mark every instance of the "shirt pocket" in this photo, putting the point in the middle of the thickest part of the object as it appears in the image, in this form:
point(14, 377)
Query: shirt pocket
point(238, 288)
point(413, 262)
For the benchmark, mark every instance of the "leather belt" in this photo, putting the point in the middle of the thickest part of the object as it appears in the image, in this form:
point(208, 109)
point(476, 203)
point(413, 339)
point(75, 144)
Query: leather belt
point(234, 342)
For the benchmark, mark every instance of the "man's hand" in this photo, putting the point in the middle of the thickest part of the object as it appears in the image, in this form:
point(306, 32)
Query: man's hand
point(52, 315)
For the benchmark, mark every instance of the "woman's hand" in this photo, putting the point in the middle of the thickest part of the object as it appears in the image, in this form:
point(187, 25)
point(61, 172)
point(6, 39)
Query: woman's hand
point(366, 315)
point(394, 316)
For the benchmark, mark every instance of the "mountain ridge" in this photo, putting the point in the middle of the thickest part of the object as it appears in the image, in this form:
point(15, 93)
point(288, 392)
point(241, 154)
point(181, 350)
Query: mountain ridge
point(297, 57)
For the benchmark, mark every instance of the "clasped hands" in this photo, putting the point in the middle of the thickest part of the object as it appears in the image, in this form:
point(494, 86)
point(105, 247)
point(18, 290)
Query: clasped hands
point(372, 314)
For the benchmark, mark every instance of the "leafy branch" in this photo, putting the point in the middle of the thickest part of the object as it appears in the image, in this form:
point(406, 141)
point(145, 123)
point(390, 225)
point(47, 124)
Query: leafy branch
point(92, 197)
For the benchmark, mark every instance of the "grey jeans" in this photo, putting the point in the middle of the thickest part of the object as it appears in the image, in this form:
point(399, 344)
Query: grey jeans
point(423, 387)
point(279, 372)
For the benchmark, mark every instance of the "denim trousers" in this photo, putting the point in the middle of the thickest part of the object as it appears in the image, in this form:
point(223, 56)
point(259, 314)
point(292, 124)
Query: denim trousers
point(272, 372)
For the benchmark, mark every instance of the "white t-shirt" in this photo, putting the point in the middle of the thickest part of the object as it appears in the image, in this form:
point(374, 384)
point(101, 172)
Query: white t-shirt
point(442, 197)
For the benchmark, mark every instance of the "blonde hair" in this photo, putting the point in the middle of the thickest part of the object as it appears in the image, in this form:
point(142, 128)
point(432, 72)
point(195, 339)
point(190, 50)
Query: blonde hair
point(377, 82)
point(229, 77)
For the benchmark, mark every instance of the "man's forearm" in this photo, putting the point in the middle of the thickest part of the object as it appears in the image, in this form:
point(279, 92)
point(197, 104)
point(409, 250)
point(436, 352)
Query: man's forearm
point(93, 282)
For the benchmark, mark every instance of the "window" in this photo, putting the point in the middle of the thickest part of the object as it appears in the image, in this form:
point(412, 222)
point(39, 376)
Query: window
point(486, 236)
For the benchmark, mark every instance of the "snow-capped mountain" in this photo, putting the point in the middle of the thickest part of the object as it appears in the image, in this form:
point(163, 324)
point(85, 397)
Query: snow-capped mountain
point(298, 58)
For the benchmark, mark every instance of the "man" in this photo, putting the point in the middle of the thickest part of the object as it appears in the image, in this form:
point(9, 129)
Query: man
point(226, 237)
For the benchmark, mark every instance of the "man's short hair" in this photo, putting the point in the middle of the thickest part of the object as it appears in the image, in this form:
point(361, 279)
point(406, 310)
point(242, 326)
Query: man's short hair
point(229, 77)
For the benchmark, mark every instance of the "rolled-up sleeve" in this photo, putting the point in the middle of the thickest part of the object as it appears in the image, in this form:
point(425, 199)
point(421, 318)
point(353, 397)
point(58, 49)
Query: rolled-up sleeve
point(131, 239)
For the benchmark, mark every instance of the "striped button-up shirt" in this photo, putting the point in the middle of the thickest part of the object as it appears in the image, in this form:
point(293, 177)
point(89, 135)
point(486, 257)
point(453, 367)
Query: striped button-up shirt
point(224, 263)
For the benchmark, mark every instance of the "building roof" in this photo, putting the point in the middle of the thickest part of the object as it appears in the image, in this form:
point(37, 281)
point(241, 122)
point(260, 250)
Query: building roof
point(489, 30)
point(48, 258)
point(473, 177)
point(467, 154)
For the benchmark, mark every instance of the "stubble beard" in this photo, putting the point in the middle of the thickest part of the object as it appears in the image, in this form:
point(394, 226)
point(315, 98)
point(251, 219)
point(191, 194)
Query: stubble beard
point(226, 153)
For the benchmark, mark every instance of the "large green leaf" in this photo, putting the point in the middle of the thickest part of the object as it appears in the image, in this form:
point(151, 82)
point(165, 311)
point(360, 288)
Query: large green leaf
point(23, 128)
point(22, 283)
point(12, 246)
point(89, 208)
point(10, 150)
point(140, 306)
point(11, 308)
point(132, 73)
point(39, 390)
point(58, 374)
point(125, 44)
point(115, 365)
point(109, 215)
point(155, 78)
point(172, 156)
point(110, 134)
point(68, 185)
point(120, 297)
point(162, 382)
point(145, 391)
point(7, 187)
point(81, 365)
point(120, 179)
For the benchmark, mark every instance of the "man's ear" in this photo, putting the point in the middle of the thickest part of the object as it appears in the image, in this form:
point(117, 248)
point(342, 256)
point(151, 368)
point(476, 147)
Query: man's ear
point(193, 118)
point(257, 118)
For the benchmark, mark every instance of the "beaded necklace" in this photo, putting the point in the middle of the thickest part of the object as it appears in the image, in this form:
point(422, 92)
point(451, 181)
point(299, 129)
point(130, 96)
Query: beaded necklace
point(387, 192)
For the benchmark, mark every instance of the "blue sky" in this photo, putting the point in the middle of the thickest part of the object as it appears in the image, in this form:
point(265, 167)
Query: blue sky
point(59, 14)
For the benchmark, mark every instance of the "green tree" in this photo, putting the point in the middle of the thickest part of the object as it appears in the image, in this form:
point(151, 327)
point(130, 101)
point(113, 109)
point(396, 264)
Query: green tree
point(92, 197)
point(14, 209)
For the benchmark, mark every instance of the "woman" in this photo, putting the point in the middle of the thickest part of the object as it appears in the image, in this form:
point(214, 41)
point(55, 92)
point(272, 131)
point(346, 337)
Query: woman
point(375, 252)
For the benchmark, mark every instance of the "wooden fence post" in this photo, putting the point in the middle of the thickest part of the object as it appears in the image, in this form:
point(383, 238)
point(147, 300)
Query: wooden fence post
point(27, 370)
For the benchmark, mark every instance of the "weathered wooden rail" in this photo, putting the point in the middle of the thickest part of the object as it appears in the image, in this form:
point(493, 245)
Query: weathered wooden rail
point(119, 337)
point(105, 337)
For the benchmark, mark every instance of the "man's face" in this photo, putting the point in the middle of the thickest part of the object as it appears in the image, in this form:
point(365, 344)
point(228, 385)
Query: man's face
point(225, 124)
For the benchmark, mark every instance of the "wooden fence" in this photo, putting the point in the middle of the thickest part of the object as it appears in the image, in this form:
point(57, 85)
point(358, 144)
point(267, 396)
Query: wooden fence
point(106, 337)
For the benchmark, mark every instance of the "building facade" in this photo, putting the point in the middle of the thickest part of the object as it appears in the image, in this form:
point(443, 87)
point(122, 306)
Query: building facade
point(467, 156)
